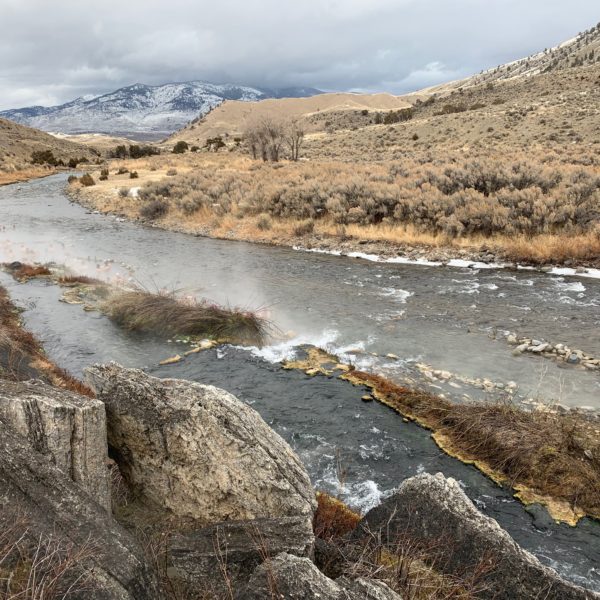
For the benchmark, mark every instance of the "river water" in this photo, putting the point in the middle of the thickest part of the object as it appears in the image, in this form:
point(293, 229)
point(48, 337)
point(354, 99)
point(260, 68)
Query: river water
point(449, 318)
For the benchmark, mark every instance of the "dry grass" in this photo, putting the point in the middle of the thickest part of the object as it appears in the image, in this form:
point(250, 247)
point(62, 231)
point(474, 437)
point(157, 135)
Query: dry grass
point(411, 568)
point(70, 280)
point(333, 519)
point(39, 567)
point(21, 356)
point(549, 457)
point(25, 174)
point(168, 315)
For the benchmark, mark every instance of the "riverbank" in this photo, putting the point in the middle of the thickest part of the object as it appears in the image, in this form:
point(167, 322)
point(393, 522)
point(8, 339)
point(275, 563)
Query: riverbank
point(22, 356)
point(198, 195)
point(10, 177)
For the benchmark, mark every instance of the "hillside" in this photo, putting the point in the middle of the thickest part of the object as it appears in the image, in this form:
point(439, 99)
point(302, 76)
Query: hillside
point(580, 51)
point(17, 143)
point(231, 118)
point(141, 111)
point(559, 109)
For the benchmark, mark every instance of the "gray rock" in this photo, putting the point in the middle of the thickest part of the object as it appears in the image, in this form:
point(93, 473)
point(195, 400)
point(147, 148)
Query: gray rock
point(539, 348)
point(429, 508)
point(288, 577)
point(68, 428)
point(366, 589)
point(199, 557)
point(198, 451)
point(56, 506)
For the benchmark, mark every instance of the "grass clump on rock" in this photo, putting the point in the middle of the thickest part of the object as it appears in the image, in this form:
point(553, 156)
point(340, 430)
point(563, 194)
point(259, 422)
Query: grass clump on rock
point(166, 314)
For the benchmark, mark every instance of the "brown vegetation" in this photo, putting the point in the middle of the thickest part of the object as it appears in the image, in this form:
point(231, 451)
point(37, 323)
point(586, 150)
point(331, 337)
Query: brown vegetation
point(411, 568)
point(39, 567)
point(68, 280)
point(21, 356)
point(547, 457)
point(168, 315)
point(24, 272)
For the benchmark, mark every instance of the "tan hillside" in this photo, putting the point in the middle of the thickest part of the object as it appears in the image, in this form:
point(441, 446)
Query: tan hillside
point(580, 51)
point(231, 117)
point(17, 142)
point(550, 111)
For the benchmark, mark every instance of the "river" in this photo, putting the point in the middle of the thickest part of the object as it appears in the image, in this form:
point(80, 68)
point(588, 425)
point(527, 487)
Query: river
point(449, 318)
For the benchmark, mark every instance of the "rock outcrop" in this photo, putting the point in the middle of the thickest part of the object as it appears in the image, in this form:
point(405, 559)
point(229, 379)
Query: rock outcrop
point(230, 551)
point(53, 504)
point(432, 509)
point(293, 578)
point(68, 428)
point(197, 450)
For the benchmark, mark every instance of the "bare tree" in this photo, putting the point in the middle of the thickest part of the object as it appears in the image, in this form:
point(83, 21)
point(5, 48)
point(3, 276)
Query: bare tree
point(294, 136)
point(265, 139)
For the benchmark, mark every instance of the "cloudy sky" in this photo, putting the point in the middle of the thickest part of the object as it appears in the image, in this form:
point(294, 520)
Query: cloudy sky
point(52, 51)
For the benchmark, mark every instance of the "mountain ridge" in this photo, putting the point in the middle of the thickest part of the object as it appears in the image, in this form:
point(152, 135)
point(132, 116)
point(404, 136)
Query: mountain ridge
point(150, 110)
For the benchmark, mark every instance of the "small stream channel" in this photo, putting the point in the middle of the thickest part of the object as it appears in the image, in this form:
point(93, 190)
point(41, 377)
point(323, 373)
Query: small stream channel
point(447, 318)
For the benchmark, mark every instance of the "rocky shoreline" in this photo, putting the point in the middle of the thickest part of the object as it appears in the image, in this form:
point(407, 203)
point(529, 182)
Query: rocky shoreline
point(229, 498)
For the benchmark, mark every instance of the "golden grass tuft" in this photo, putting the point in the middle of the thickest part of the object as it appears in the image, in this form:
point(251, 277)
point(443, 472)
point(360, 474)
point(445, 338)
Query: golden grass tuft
point(333, 519)
point(168, 315)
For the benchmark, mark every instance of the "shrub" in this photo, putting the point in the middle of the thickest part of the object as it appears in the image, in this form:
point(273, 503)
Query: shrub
point(264, 222)
point(124, 192)
point(415, 137)
point(103, 175)
point(449, 109)
point(73, 162)
point(43, 157)
point(122, 171)
point(72, 179)
point(305, 227)
point(172, 172)
point(180, 147)
point(133, 175)
point(87, 180)
point(154, 209)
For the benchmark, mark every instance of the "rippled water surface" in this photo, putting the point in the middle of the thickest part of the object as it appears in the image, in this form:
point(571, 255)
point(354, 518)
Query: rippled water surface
point(451, 319)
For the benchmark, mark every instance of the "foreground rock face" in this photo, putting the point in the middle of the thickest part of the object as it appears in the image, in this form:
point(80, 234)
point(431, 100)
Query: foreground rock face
point(53, 504)
point(197, 450)
point(68, 428)
point(238, 547)
point(433, 509)
point(292, 578)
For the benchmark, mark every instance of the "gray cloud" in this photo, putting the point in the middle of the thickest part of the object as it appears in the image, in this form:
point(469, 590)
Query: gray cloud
point(55, 51)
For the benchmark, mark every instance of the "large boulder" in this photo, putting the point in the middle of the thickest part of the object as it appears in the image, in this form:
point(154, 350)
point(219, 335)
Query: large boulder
point(53, 507)
point(68, 428)
point(197, 450)
point(227, 553)
point(289, 577)
point(433, 510)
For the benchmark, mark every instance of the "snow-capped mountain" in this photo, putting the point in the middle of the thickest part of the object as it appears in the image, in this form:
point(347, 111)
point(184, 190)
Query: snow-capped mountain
point(150, 111)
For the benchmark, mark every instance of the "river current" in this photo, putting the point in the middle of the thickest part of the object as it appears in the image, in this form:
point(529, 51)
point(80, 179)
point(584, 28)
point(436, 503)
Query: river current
point(450, 319)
